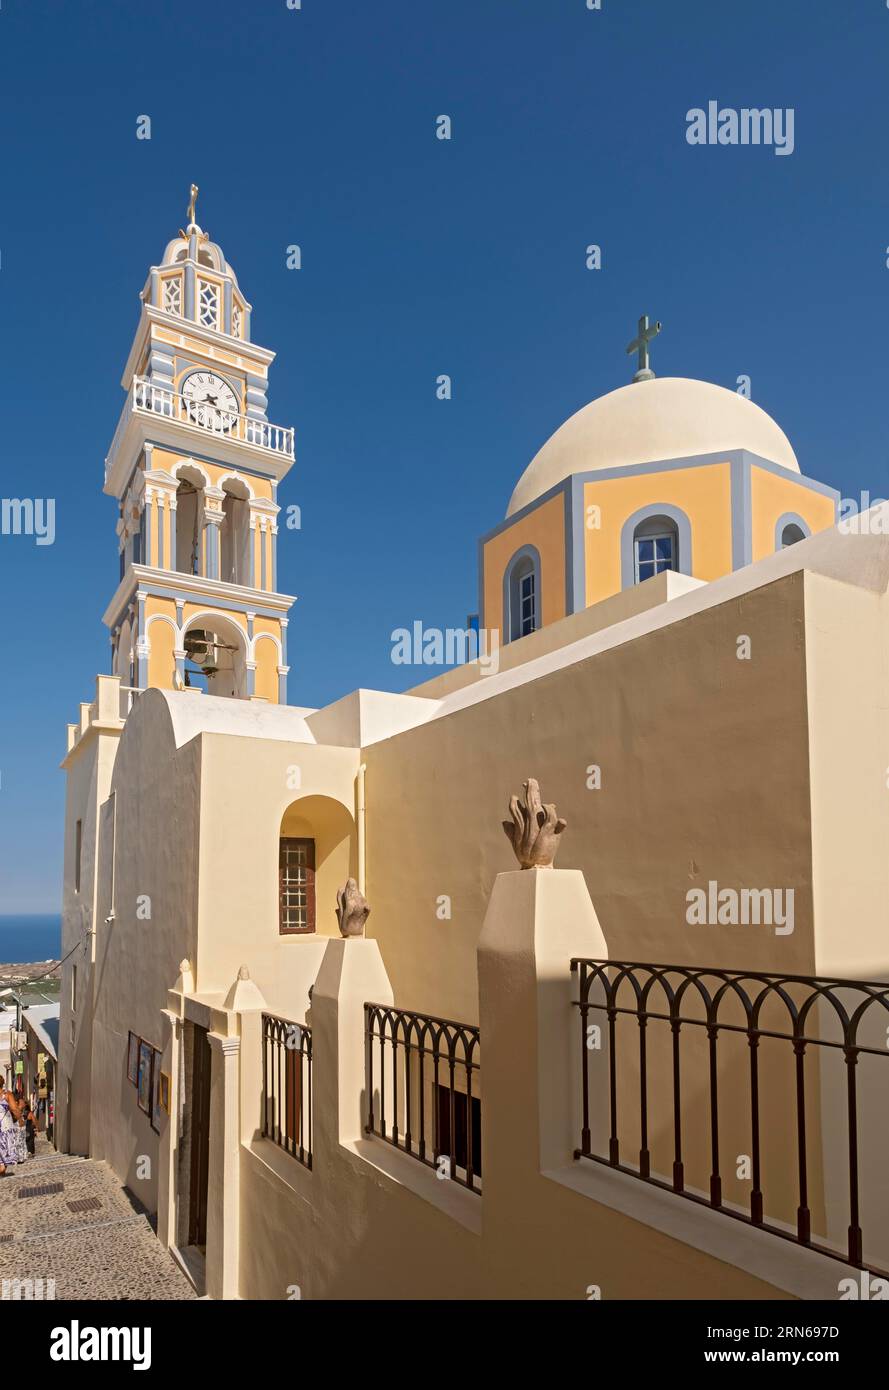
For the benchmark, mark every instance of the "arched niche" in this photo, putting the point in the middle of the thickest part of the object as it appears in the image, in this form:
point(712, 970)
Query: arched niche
point(317, 834)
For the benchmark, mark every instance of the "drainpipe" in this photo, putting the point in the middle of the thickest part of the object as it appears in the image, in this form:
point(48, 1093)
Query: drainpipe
point(361, 828)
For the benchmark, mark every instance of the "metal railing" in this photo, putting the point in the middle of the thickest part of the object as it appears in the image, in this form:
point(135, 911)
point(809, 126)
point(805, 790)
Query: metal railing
point(808, 1077)
point(148, 398)
point(287, 1086)
point(422, 1076)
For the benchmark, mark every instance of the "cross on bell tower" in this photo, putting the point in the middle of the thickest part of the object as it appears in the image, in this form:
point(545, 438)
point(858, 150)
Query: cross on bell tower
point(646, 332)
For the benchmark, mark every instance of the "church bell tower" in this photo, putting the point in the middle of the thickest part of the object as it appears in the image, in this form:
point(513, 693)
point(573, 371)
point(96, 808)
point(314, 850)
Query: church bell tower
point(195, 466)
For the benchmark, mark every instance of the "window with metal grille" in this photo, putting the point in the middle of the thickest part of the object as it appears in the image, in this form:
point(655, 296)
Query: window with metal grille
point(296, 880)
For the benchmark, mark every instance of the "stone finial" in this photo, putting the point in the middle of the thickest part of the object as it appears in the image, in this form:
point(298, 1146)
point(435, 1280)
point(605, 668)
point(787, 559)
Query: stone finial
point(244, 995)
point(534, 829)
point(352, 909)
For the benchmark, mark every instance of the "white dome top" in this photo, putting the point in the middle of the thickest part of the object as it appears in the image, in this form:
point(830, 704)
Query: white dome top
point(210, 254)
point(665, 418)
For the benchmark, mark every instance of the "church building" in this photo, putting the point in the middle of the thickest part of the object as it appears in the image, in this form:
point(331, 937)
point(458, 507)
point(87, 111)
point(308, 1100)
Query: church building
point(423, 1102)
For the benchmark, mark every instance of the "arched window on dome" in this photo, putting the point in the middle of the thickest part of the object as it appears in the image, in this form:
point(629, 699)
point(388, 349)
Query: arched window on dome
point(655, 547)
point(521, 594)
point(789, 529)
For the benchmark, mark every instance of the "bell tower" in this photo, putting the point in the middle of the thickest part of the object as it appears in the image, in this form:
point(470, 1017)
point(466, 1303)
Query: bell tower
point(195, 465)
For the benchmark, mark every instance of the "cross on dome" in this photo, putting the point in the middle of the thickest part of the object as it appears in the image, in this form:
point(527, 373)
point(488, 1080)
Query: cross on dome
point(646, 332)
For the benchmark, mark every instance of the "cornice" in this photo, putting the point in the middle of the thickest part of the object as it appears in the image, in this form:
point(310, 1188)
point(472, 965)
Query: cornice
point(195, 585)
point(154, 317)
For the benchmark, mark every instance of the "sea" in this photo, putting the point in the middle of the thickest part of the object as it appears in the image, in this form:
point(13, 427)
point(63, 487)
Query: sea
point(30, 937)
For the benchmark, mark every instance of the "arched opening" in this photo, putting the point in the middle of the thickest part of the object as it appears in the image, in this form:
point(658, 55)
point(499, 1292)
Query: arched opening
point(189, 519)
point(235, 532)
point(790, 534)
point(216, 656)
point(316, 853)
point(522, 595)
point(655, 547)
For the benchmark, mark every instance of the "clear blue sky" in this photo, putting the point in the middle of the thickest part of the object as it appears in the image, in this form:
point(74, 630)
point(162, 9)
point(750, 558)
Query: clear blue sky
point(419, 257)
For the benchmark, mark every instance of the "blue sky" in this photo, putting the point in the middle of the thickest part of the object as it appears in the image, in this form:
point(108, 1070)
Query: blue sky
point(420, 256)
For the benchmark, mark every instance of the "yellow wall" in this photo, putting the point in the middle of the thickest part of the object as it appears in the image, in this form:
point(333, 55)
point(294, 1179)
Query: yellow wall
point(544, 528)
point(168, 459)
point(703, 493)
point(772, 496)
point(161, 662)
point(267, 670)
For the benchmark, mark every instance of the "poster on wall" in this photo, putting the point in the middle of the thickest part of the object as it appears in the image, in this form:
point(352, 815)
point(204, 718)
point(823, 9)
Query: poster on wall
point(156, 1106)
point(133, 1058)
point(146, 1054)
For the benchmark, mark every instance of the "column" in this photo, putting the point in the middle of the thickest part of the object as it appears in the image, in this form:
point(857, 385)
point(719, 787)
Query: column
point(223, 1188)
point(189, 291)
point(162, 531)
point(147, 526)
point(212, 522)
point(168, 1146)
point(173, 505)
point(143, 645)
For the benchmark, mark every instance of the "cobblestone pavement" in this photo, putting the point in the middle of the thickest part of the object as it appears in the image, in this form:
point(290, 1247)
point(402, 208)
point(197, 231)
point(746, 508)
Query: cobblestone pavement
point(89, 1236)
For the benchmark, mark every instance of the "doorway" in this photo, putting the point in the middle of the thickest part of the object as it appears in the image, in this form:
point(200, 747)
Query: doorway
point(200, 1138)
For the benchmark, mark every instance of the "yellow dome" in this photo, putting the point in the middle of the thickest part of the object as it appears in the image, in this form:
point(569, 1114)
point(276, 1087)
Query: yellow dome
point(669, 417)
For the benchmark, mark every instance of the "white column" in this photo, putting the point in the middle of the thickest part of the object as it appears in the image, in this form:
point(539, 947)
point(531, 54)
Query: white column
point(223, 1188)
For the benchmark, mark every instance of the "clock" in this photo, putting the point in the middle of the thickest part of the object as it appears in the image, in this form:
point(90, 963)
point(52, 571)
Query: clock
point(210, 401)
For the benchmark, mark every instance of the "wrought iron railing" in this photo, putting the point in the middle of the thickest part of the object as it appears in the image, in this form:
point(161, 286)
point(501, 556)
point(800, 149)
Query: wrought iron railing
point(287, 1086)
point(423, 1089)
point(783, 1064)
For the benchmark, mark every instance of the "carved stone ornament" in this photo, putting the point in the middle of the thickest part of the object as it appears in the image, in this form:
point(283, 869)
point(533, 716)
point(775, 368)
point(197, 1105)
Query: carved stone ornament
point(352, 909)
point(534, 829)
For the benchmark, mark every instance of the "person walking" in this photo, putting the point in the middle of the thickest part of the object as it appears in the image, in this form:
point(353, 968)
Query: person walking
point(21, 1134)
point(9, 1128)
point(30, 1127)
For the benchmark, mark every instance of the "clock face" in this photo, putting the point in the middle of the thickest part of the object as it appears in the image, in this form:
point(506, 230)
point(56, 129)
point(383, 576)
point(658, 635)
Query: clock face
point(210, 401)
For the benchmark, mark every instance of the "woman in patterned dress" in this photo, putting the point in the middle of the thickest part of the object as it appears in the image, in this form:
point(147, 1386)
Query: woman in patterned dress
point(9, 1128)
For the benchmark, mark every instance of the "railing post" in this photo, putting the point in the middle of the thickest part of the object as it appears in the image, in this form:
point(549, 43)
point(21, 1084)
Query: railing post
point(537, 920)
point(351, 974)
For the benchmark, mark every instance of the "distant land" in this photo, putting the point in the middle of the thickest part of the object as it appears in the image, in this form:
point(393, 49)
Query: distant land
point(25, 937)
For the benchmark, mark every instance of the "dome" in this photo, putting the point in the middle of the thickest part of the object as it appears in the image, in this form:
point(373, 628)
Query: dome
point(209, 253)
point(647, 421)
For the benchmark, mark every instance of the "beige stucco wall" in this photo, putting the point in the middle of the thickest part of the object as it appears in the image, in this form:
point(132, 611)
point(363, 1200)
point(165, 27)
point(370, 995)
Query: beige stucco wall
point(154, 847)
point(247, 786)
point(89, 769)
point(847, 639)
point(704, 768)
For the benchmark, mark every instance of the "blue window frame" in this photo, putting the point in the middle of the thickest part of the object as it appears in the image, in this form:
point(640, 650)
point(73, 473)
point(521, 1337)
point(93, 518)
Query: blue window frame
point(527, 604)
point(522, 597)
point(654, 554)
